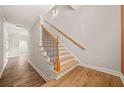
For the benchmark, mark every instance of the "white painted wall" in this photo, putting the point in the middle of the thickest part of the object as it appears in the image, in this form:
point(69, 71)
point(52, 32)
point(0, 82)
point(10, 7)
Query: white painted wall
point(13, 44)
point(36, 56)
point(6, 39)
point(14, 35)
point(95, 27)
point(2, 45)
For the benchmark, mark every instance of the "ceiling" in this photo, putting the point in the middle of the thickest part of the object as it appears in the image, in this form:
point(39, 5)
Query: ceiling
point(24, 15)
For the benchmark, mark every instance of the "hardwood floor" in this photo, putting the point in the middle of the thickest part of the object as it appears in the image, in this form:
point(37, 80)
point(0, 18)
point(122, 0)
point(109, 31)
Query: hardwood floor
point(19, 73)
point(84, 77)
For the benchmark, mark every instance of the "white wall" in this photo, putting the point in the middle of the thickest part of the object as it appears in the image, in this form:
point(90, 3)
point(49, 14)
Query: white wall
point(1, 43)
point(35, 54)
point(95, 27)
point(14, 35)
point(13, 44)
point(6, 39)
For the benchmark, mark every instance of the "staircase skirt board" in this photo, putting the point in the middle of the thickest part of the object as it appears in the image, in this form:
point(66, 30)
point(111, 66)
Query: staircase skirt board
point(59, 75)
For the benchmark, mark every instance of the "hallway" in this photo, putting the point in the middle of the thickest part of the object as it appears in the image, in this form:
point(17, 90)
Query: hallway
point(19, 73)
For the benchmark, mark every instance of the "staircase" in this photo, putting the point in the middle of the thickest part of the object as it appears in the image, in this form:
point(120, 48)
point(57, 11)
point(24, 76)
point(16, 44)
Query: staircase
point(67, 62)
point(60, 59)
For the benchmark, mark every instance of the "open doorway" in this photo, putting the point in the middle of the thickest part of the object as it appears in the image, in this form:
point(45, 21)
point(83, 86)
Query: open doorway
point(13, 45)
point(23, 48)
point(17, 41)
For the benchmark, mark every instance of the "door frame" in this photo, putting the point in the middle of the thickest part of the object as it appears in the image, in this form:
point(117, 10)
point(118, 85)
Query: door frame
point(122, 38)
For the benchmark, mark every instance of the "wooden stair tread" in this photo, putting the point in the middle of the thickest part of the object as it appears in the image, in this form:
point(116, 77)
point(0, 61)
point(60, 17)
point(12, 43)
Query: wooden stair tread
point(65, 66)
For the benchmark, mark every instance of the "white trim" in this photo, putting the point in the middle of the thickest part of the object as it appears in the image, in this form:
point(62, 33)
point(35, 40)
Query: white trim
point(101, 69)
point(39, 71)
point(115, 73)
point(1, 72)
point(57, 76)
point(13, 56)
point(122, 77)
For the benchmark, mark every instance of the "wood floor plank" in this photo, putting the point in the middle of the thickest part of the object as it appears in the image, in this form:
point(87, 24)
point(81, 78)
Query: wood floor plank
point(85, 77)
point(19, 73)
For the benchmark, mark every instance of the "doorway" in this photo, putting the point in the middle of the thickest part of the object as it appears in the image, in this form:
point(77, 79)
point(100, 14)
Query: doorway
point(23, 47)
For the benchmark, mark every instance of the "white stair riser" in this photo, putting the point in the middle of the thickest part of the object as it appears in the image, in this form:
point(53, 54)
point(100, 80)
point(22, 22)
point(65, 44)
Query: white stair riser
point(57, 76)
point(65, 58)
point(64, 52)
point(67, 61)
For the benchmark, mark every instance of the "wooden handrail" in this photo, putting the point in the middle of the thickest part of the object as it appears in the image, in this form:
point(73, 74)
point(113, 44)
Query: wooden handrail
point(68, 37)
point(55, 38)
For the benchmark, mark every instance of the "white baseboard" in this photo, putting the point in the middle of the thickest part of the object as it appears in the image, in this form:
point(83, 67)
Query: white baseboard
point(115, 73)
point(1, 72)
point(13, 56)
point(39, 71)
point(122, 77)
point(101, 69)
